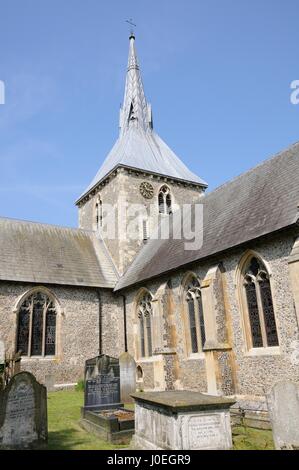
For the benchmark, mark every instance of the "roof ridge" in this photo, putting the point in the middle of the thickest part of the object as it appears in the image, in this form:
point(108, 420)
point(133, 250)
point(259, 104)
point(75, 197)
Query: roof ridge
point(99, 237)
point(34, 222)
point(264, 162)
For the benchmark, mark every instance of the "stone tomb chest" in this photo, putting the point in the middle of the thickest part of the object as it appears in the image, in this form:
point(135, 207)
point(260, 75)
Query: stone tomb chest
point(181, 420)
point(23, 413)
point(103, 414)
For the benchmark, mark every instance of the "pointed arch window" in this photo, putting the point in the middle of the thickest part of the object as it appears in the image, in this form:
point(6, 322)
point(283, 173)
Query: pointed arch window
point(164, 200)
point(99, 213)
point(195, 315)
point(37, 326)
point(259, 305)
point(145, 313)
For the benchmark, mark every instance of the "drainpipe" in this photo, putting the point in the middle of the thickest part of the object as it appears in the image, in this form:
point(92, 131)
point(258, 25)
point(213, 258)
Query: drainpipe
point(100, 323)
point(125, 323)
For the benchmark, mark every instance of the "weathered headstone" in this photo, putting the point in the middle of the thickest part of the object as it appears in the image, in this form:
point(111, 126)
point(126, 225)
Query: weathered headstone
point(181, 420)
point(23, 413)
point(283, 408)
point(102, 383)
point(50, 382)
point(127, 377)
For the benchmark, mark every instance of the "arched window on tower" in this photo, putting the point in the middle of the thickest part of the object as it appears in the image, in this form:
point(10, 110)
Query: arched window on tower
point(98, 213)
point(37, 326)
point(164, 200)
point(259, 305)
point(145, 314)
point(195, 315)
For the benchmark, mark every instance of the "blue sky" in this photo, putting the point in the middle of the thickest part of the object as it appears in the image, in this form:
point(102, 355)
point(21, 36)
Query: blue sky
point(217, 73)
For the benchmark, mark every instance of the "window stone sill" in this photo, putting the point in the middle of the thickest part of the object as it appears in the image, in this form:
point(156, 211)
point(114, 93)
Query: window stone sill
point(196, 356)
point(254, 352)
point(143, 360)
point(38, 358)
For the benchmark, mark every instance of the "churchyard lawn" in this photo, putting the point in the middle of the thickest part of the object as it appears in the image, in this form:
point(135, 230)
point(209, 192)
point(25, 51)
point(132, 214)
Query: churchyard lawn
point(66, 434)
point(63, 423)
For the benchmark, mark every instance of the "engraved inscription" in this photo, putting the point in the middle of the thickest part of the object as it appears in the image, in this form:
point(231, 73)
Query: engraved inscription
point(102, 381)
point(20, 412)
point(204, 430)
point(102, 390)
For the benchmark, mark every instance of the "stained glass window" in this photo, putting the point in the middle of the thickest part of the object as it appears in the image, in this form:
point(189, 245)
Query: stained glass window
point(37, 329)
point(260, 305)
point(149, 335)
point(37, 326)
point(254, 319)
point(268, 311)
point(201, 318)
point(142, 341)
point(145, 325)
point(192, 324)
point(195, 315)
point(23, 330)
point(50, 331)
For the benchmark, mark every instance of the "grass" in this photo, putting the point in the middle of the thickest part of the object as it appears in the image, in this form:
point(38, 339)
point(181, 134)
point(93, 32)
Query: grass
point(66, 434)
point(252, 439)
point(63, 422)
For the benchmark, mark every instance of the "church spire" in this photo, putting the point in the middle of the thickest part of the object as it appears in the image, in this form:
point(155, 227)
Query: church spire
point(136, 112)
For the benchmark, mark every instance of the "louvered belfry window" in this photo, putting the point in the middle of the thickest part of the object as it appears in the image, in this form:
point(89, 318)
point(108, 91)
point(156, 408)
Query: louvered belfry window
point(195, 315)
point(37, 326)
point(164, 200)
point(258, 296)
point(145, 314)
point(99, 213)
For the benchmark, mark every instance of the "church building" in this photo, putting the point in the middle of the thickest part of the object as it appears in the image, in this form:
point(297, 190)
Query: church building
point(221, 317)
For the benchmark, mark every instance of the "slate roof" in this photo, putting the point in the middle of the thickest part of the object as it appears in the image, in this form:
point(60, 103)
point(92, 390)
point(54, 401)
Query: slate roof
point(47, 254)
point(138, 146)
point(258, 202)
point(144, 151)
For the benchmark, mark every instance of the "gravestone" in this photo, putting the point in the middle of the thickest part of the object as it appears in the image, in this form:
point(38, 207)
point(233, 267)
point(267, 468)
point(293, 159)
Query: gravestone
point(127, 377)
point(102, 383)
point(103, 414)
point(23, 413)
point(50, 382)
point(283, 408)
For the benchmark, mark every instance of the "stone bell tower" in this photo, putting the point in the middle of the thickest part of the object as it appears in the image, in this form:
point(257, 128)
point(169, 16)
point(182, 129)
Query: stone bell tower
point(141, 176)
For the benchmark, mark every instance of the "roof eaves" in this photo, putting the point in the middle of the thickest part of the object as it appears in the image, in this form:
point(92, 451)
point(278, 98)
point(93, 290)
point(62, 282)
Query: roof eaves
point(210, 255)
point(201, 183)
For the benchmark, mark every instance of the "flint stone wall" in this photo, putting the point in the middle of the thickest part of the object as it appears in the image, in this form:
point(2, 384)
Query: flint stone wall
point(252, 372)
point(77, 330)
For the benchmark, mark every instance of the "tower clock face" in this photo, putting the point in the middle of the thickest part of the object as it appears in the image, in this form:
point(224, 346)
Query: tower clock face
point(146, 189)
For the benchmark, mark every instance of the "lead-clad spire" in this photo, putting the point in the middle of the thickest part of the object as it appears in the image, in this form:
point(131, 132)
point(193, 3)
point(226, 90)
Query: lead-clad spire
point(138, 146)
point(136, 112)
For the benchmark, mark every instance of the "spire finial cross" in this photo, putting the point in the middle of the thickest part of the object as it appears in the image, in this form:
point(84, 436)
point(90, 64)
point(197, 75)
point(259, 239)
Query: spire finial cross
point(130, 22)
